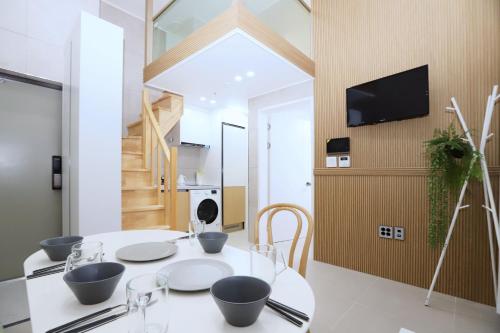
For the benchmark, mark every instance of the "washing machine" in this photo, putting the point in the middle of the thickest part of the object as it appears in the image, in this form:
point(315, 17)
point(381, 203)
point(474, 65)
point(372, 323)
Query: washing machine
point(206, 206)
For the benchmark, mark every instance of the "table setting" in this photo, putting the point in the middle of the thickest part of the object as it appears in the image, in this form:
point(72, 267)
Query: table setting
point(158, 281)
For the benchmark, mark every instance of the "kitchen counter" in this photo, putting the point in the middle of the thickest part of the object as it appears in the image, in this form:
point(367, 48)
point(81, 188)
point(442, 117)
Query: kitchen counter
point(188, 187)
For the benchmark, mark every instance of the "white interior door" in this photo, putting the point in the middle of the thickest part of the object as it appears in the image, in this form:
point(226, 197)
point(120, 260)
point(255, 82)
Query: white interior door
point(290, 158)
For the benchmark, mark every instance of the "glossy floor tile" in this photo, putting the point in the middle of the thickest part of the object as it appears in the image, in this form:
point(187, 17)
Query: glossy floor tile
point(349, 301)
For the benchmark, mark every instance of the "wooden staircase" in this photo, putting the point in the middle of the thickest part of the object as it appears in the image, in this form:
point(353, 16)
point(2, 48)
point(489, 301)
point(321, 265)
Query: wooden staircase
point(146, 158)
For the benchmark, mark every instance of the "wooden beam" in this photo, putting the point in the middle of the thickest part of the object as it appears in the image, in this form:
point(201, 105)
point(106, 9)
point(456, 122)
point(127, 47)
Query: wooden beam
point(236, 17)
point(148, 33)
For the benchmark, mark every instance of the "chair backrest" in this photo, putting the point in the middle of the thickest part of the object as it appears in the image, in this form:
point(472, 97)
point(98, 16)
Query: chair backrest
point(295, 210)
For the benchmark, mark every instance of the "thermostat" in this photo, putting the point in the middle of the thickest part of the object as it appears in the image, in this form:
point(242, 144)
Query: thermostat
point(344, 161)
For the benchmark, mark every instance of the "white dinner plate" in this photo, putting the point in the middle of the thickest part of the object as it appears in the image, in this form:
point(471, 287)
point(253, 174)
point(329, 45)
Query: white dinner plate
point(149, 251)
point(195, 274)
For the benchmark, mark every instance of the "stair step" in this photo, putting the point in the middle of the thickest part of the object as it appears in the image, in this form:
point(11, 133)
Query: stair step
point(143, 217)
point(132, 144)
point(135, 128)
point(136, 177)
point(138, 188)
point(132, 161)
point(132, 153)
point(142, 208)
point(139, 197)
point(135, 170)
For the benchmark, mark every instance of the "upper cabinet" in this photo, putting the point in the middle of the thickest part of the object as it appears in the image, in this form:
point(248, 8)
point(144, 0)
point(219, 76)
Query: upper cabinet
point(193, 128)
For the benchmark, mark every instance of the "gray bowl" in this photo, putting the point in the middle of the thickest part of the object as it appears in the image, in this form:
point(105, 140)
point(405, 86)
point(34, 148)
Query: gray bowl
point(240, 298)
point(94, 283)
point(212, 242)
point(59, 248)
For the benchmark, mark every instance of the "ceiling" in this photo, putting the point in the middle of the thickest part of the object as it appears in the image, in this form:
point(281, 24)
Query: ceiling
point(137, 7)
point(212, 74)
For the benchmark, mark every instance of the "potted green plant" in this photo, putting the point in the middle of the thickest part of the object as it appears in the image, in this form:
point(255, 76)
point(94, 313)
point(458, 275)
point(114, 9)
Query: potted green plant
point(452, 161)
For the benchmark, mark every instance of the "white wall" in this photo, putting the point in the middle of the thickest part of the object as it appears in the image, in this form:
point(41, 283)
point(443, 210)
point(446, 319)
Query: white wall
point(196, 127)
point(33, 34)
point(208, 161)
point(133, 59)
point(94, 113)
point(257, 133)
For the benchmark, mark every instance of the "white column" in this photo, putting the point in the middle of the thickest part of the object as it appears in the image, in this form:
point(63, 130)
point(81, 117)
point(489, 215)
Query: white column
point(93, 140)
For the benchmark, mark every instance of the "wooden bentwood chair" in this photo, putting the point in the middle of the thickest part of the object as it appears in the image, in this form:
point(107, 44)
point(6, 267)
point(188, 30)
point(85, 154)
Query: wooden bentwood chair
point(296, 210)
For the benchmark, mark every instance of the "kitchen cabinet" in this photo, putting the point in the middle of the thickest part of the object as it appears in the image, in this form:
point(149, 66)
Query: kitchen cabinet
point(183, 211)
point(194, 127)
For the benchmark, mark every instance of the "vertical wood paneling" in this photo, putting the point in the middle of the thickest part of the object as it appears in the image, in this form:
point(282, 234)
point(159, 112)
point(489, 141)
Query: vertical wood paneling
point(360, 40)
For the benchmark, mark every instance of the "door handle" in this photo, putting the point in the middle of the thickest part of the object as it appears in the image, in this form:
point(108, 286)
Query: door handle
point(308, 184)
point(56, 172)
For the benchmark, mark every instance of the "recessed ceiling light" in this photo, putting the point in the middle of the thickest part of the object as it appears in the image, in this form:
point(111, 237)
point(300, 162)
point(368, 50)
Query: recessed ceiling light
point(213, 101)
point(203, 99)
point(238, 78)
point(250, 74)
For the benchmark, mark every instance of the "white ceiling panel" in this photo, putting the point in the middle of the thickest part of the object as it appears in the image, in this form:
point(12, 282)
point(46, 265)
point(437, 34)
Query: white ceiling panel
point(211, 73)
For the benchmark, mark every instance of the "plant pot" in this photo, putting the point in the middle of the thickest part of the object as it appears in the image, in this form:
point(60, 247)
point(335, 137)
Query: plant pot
point(456, 153)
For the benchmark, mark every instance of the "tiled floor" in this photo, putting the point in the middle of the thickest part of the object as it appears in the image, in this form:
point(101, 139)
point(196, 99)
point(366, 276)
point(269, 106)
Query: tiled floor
point(349, 301)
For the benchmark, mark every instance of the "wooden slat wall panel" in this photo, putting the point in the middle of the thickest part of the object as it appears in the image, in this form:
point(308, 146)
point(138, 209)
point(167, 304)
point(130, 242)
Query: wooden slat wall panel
point(361, 40)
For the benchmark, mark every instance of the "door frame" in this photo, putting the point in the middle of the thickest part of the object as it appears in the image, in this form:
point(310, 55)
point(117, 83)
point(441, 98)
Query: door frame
point(245, 225)
point(8, 75)
point(264, 111)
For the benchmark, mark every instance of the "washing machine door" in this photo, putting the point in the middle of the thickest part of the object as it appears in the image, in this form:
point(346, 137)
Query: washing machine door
point(207, 211)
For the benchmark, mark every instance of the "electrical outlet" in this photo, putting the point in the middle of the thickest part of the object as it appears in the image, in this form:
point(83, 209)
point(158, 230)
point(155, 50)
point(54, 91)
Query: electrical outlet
point(385, 231)
point(399, 233)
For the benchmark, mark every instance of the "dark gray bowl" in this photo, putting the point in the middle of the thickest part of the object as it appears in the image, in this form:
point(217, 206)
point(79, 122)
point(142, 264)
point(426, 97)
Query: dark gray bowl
point(59, 248)
point(240, 298)
point(212, 242)
point(94, 283)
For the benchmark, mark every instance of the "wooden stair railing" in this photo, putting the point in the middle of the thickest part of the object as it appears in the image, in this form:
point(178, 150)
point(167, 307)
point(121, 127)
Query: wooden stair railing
point(158, 158)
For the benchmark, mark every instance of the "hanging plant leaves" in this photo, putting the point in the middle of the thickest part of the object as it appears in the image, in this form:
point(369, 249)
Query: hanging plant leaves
point(452, 161)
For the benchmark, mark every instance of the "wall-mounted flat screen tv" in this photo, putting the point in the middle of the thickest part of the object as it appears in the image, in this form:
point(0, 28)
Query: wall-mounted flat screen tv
point(400, 96)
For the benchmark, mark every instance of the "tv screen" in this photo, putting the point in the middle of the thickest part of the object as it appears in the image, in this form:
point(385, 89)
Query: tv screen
point(400, 96)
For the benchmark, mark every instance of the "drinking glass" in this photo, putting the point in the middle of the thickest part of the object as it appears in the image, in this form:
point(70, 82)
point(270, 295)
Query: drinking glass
point(263, 263)
point(83, 254)
point(147, 300)
point(196, 227)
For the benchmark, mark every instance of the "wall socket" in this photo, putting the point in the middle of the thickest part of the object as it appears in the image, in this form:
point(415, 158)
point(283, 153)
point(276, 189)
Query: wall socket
point(399, 233)
point(385, 231)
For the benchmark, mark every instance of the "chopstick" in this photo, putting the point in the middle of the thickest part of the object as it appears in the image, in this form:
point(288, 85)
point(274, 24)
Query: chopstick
point(285, 315)
point(49, 268)
point(54, 271)
point(292, 311)
point(97, 323)
point(83, 319)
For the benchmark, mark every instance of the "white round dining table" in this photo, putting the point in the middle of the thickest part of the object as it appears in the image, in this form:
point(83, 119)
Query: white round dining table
point(51, 302)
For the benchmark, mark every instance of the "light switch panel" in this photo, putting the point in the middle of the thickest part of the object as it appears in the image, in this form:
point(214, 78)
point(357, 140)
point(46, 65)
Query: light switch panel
point(331, 161)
